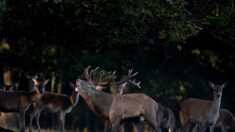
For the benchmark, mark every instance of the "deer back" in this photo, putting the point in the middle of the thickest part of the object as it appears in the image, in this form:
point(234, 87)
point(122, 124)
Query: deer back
point(196, 109)
point(11, 101)
point(55, 102)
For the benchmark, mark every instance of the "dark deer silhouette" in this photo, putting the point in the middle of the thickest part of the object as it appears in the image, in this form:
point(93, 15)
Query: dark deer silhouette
point(56, 103)
point(19, 101)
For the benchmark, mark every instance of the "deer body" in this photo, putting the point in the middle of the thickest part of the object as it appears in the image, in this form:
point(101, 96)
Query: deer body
point(19, 101)
point(226, 120)
point(203, 112)
point(115, 107)
point(202, 115)
point(56, 103)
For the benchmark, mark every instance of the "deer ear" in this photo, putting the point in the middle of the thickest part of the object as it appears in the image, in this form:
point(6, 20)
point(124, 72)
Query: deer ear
point(224, 84)
point(71, 84)
point(45, 82)
point(35, 81)
point(212, 85)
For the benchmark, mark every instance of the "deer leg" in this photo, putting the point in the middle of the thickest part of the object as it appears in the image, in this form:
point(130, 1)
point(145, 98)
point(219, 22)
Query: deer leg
point(195, 127)
point(186, 127)
point(37, 121)
point(212, 128)
point(170, 130)
point(22, 120)
point(137, 126)
point(32, 115)
point(155, 127)
point(18, 120)
point(110, 127)
point(106, 126)
point(121, 128)
point(61, 120)
point(115, 126)
point(223, 128)
point(31, 122)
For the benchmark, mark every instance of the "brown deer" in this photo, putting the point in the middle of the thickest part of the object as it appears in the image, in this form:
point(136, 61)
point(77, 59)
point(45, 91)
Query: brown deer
point(226, 120)
point(164, 115)
point(56, 103)
point(19, 101)
point(203, 113)
point(115, 108)
point(119, 87)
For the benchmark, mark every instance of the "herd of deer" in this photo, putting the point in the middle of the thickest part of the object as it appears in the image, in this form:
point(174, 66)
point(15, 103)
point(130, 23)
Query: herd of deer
point(117, 108)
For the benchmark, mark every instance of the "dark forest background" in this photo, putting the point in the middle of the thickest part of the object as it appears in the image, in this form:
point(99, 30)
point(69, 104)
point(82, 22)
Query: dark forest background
point(177, 46)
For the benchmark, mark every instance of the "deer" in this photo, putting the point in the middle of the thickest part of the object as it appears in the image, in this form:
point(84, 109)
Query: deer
point(55, 103)
point(203, 113)
point(115, 108)
point(226, 120)
point(19, 101)
point(164, 115)
point(119, 87)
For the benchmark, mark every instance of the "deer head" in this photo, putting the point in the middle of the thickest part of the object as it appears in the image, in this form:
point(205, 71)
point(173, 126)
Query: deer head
point(42, 85)
point(84, 86)
point(35, 84)
point(217, 89)
point(74, 87)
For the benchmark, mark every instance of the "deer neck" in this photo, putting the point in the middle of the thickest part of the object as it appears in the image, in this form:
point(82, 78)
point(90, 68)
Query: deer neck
point(216, 104)
point(99, 102)
point(34, 95)
point(74, 98)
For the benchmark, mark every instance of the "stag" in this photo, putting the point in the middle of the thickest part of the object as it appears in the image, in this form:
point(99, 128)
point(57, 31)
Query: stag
point(56, 103)
point(226, 120)
point(119, 87)
point(115, 108)
point(19, 101)
point(203, 113)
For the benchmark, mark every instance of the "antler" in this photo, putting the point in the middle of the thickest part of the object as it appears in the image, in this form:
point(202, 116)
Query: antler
point(137, 84)
point(127, 79)
point(106, 79)
point(89, 75)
